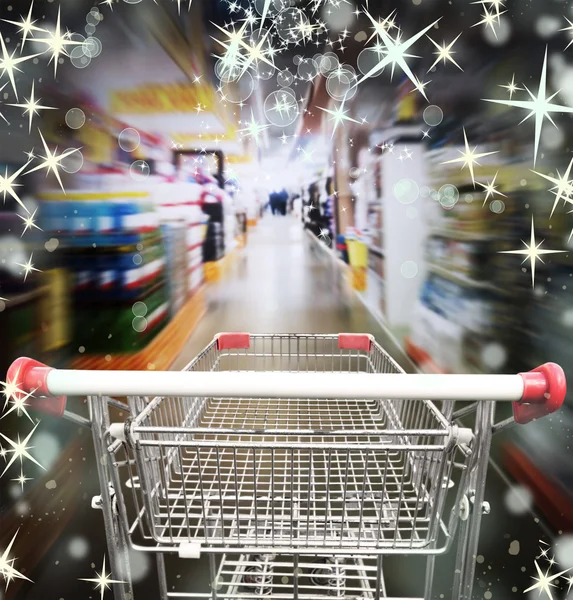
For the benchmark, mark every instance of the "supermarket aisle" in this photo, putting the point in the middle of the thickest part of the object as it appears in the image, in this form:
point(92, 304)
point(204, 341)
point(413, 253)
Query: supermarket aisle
point(279, 283)
point(282, 282)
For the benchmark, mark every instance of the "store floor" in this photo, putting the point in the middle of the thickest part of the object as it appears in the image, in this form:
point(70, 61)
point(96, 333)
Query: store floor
point(281, 282)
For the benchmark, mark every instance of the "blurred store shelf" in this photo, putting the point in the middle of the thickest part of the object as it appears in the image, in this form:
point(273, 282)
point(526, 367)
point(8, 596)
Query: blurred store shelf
point(162, 351)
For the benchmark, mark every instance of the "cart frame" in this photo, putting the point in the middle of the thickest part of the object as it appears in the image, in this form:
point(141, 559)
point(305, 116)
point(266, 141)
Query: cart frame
point(296, 446)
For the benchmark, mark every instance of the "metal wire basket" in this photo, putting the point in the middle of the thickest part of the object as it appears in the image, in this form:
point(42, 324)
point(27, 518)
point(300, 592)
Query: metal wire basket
point(295, 462)
point(295, 474)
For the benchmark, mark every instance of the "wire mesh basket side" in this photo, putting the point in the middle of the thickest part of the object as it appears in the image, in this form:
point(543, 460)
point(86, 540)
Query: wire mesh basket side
point(303, 353)
point(289, 475)
point(295, 497)
point(252, 576)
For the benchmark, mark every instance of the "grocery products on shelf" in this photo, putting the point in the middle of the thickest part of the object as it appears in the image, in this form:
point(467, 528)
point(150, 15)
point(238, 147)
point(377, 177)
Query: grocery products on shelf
point(175, 240)
point(342, 248)
point(318, 210)
point(387, 204)
point(182, 203)
point(121, 326)
point(112, 246)
point(435, 343)
point(100, 218)
point(470, 296)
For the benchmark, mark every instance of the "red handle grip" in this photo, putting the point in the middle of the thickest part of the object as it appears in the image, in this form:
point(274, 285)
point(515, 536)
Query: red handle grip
point(27, 376)
point(544, 391)
point(355, 341)
point(233, 341)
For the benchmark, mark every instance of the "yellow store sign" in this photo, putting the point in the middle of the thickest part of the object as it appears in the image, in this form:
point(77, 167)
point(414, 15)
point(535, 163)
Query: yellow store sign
point(163, 98)
point(198, 139)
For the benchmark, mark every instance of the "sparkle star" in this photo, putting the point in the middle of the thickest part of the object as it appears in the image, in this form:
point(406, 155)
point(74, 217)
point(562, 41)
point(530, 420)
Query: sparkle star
point(490, 19)
point(7, 570)
point(563, 186)
point(569, 581)
point(29, 222)
point(253, 129)
point(570, 30)
point(250, 17)
point(444, 53)
point(256, 54)
point(57, 43)
point(266, 7)
point(108, 3)
point(179, 5)
point(396, 53)
point(497, 4)
point(232, 58)
point(10, 389)
point(22, 479)
point(511, 87)
point(103, 580)
point(491, 189)
point(32, 107)
point(8, 63)
point(26, 26)
point(19, 402)
point(20, 449)
point(544, 581)
point(51, 161)
point(385, 25)
point(533, 252)
point(540, 106)
point(28, 267)
point(305, 30)
point(469, 158)
point(307, 156)
point(8, 183)
point(420, 86)
point(284, 104)
point(1, 115)
point(338, 116)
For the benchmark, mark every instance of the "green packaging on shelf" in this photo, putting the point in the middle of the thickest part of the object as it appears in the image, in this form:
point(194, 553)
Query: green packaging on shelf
point(174, 236)
point(123, 327)
point(22, 324)
point(21, 327)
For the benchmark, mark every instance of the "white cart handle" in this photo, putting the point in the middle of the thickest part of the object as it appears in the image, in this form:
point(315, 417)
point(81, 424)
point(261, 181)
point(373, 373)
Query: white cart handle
point(534, 394)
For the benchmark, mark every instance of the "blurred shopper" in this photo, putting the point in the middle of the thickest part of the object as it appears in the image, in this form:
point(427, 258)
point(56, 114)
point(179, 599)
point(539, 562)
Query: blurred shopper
point(278, 202)
point(283, 202)
point(273, 202)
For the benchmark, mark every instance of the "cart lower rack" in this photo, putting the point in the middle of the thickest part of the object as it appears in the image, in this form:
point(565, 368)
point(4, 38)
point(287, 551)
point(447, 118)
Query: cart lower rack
point(294, 462)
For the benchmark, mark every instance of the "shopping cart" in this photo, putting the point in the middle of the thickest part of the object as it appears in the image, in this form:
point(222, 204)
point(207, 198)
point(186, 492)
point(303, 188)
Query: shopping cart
point(294, 463)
